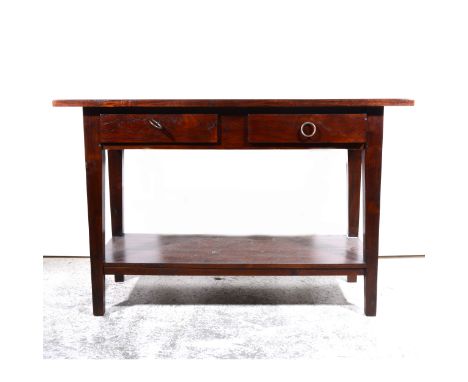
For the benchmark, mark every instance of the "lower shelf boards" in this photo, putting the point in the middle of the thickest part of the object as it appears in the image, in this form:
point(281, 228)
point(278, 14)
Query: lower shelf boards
point(142, 254)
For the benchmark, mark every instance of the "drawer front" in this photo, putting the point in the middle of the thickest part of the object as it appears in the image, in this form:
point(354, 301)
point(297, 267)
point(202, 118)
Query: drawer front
point(306, 128)
point(159, 128)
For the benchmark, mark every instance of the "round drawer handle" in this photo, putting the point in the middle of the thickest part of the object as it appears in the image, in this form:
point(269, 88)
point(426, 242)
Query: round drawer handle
point(155, 124)
point(305, 124)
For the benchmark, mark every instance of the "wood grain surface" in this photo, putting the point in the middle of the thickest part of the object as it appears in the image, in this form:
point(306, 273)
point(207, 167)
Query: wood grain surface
point(287, 128)
point(164, 128)
point(233, 102)
point(213, 251)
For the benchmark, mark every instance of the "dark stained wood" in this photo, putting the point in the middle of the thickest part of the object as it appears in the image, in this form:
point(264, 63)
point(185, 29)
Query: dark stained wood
point(115, 160)
point(209, 251)
point(372, 158)
point(147, 269)
point(236, 103)
point(246, 146)
point(119, 278)
point(354, 191)
point(115, 125)
point(95, 170)
point(163, 128)
point(232, 135)
point(286, 128)
point(352, 278)
point(233, 128)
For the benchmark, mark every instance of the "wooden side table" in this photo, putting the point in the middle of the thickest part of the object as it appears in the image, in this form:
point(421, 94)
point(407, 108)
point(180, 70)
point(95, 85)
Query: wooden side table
point(115, 125)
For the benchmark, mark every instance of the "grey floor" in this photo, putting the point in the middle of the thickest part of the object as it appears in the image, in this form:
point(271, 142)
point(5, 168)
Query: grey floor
point(166, 317)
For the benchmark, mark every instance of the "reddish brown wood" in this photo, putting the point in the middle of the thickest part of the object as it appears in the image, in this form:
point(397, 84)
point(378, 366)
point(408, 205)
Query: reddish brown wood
point(115, 160)
point(95, 170)
point(116, 125)
point(372, 158)
point(233, 132)
point(232, 135)
point(287, 128)
point(236, 103)
point(248, 252)
point(246, 146)
point(354, 191)
point(147, 269)
point(159, 128)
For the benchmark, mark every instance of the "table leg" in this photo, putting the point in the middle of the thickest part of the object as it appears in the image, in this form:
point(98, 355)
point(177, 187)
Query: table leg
point(354, 191)
point(354, 194)
point(95, 170)
point(115, 158)
point(372, 159)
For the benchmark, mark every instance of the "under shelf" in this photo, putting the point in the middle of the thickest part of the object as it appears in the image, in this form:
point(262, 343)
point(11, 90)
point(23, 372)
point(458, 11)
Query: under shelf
point(234, 255)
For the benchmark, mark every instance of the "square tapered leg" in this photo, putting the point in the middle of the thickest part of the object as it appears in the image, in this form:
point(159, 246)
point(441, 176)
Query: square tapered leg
point(372, 167)
point(115, 159)
point(95, 172)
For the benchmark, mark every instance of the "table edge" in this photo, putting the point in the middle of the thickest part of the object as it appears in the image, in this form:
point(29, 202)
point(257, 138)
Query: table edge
point(235, 103)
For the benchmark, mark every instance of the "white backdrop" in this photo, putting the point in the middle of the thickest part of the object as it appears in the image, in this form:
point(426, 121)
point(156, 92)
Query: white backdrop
point(203, 49)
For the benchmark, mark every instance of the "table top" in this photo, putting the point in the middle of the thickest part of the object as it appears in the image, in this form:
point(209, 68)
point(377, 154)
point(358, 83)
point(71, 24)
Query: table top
point(234, 102)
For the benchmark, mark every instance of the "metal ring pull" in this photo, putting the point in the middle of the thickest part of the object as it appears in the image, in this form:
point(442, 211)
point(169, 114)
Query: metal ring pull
point(308, 124)
point(155, 124)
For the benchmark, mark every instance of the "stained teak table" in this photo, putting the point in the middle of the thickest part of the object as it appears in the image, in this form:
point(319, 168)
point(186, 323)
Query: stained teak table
point(114, 125)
